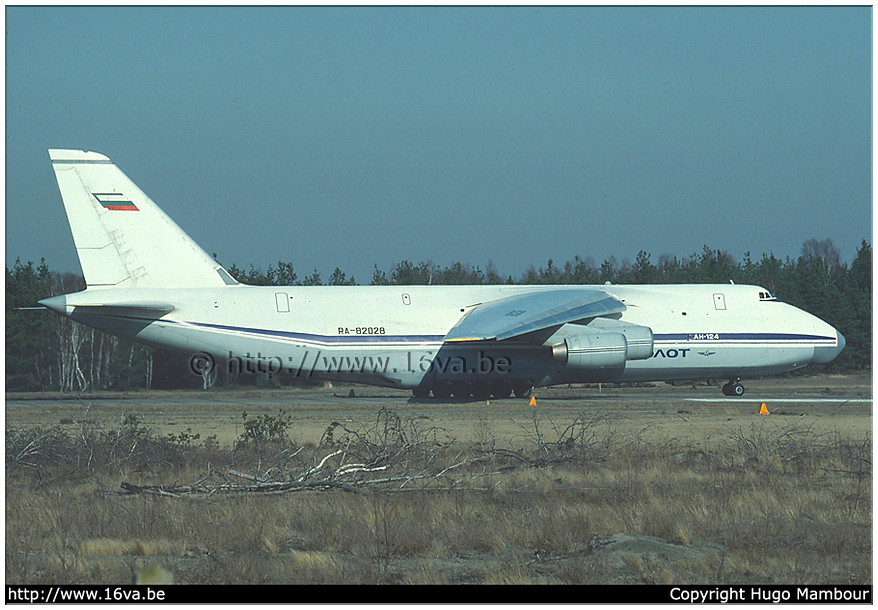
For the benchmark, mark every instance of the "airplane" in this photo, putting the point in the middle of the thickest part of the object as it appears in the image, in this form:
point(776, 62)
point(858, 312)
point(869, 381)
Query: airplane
point(147, 280)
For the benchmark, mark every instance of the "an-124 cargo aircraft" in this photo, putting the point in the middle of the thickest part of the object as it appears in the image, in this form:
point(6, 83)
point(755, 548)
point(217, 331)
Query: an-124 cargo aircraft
point(148, 281)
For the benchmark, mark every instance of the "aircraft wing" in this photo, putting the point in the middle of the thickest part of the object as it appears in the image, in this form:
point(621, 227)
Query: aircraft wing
point(519, 314)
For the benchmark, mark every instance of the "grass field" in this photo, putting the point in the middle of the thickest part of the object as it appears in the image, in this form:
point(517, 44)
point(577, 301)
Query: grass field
point(592, 485)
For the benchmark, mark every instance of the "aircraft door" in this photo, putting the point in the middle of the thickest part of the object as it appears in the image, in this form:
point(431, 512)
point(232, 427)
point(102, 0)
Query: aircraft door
point(719, 301)
point(282, 300)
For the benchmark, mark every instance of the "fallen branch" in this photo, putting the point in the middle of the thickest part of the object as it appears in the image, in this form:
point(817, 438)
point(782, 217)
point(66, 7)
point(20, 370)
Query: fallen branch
point(390, 455)
point(263, 488)
point(858, 473)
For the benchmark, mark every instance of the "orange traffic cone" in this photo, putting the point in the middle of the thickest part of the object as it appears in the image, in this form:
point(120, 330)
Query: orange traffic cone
point(533, 401)
point(763, 410)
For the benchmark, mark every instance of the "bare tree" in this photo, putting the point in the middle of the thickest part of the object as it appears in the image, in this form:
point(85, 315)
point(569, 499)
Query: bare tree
point(823, 250)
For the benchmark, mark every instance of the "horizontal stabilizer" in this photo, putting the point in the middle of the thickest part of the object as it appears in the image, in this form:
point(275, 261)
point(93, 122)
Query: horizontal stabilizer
point(62, 303)
point(520, 314)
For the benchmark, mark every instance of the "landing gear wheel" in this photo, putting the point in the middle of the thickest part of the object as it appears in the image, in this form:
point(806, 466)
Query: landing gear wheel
point(461, 390)
point(523, 389)
point(501, 389)
point(421, 392)
point(481, 390)
point(442, 390)
point(733, 388)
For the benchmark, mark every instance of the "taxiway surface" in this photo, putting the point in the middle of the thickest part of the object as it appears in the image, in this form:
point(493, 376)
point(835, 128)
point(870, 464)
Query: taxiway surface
point(695, 412)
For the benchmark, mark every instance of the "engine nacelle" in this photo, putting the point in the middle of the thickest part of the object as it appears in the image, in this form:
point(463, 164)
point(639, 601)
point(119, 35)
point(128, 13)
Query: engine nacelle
point(592, 350)
point(603, 343)
point(640, 338)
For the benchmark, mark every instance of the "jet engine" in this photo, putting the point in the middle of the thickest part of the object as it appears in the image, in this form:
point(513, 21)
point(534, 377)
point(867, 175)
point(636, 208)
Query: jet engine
point(604, 343)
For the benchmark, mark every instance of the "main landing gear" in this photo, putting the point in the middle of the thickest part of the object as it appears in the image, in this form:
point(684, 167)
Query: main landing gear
point(479, 390)
point(733, 388)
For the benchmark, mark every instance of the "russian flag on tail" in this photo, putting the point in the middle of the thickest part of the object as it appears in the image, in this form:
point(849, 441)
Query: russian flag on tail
point(115, 201)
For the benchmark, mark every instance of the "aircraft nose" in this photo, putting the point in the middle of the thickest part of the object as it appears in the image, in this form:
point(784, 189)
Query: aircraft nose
point(824, 355)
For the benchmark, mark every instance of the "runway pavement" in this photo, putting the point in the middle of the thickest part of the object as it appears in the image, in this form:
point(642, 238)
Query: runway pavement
point(367, 395)
point(841, 403)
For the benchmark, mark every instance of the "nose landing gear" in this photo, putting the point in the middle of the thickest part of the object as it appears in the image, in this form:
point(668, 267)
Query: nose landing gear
point(733, 388)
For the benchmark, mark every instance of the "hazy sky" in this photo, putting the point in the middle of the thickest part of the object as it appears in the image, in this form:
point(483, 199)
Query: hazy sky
point(345, 136)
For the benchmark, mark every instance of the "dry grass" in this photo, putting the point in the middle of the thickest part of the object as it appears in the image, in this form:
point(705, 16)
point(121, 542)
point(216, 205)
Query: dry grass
point(773, 502)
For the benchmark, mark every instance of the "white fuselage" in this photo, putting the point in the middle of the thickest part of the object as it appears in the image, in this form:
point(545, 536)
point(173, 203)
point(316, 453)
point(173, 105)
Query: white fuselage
point(149, 281)
point(393, 335)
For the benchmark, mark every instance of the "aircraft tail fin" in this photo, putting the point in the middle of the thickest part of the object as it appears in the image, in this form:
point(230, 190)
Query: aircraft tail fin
point(123, 239)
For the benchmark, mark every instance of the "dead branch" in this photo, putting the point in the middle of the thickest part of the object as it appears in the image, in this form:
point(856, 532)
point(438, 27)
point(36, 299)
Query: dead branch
point(391, 455)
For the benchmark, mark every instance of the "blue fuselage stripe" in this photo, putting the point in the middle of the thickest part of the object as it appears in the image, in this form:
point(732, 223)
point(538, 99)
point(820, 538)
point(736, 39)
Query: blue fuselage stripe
point(327, 339)
point(737, 338)
point(727, 339)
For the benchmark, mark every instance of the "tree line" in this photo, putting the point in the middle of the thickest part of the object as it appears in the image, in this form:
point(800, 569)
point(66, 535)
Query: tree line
point(47, 352)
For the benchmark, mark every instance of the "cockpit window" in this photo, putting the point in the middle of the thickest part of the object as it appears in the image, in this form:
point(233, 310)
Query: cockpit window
point(766, 296)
